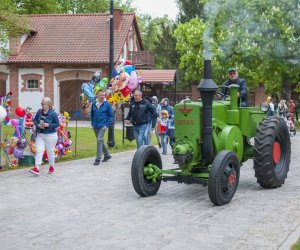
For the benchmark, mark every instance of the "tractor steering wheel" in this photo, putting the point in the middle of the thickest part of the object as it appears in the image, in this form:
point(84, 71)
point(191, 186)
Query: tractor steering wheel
point(220, 95)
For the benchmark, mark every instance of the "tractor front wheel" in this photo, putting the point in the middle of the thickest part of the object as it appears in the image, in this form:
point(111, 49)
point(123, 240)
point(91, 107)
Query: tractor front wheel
point(272, 152)
point(144, 157)
point(223, 177)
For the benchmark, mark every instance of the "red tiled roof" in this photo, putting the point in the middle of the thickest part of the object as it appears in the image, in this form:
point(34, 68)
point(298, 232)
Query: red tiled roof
point(74, 38)
point(158, 76)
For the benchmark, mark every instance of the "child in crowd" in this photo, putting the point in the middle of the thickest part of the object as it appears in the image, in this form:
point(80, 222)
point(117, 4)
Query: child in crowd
point(171, 129)
point(163, 129)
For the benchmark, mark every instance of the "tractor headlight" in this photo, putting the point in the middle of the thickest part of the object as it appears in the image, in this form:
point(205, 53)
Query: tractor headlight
point(264, 107)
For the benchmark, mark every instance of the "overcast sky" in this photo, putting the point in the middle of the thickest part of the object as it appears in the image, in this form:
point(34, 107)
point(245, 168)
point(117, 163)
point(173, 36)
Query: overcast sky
point(157, 8)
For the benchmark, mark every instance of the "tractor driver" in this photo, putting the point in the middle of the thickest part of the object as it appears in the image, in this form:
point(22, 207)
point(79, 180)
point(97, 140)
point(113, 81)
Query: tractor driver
point(233, 78)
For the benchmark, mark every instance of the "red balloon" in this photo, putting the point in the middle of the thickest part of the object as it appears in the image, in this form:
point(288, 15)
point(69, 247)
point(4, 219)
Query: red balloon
point(20, 111)
point(125, 91)
point(128, 62)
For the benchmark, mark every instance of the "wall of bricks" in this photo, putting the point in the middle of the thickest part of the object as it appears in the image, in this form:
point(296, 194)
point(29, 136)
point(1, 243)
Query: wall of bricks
point(259, 95)
point(14, 78)
point(14, 45)
point(49, 89)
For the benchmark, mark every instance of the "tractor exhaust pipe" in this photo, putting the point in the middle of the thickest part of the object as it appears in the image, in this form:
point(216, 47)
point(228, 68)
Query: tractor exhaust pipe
point(207, 90)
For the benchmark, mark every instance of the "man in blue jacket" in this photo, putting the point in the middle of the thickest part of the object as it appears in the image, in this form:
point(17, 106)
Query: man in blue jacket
point(233, 78)
point(101, 117)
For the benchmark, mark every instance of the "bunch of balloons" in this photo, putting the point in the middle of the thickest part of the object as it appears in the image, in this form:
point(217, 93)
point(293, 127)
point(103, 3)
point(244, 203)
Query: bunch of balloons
point(8, 145)
point(90, 90)
point(125, 79)
point(14, 147)
point(64, 143)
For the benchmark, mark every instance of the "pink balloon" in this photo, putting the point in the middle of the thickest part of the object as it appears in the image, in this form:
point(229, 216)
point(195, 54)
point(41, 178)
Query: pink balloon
point(15, 124)
point(133, 80)
point(139, 79)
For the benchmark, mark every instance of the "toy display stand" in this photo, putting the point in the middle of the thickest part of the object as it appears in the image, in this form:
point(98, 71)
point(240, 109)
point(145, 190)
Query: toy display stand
point(1, 102)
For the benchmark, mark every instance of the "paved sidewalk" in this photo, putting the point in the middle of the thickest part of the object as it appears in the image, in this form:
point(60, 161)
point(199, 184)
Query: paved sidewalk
point(83, 206)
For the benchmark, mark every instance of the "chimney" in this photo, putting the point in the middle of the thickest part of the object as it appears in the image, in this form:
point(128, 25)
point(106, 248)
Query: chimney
point(118, 18)
point(14, 45)
point(207, 89)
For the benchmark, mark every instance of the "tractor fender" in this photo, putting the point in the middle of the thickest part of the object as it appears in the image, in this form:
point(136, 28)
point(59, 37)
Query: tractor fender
point(231, 139)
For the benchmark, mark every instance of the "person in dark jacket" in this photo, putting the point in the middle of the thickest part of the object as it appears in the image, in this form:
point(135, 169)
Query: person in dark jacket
point(101, 118)
point(140, 114)
point(233, 78)
point(46, 122)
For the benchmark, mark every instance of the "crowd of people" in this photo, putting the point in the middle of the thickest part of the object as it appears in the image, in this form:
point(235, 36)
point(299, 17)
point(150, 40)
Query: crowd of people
point(149, 117)
point(287, 111)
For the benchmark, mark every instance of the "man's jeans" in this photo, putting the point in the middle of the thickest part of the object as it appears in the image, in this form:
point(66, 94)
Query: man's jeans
point(141, 134)
point(100, 143)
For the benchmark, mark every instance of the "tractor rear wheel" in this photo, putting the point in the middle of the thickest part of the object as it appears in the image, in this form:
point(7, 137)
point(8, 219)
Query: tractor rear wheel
point(223, 177)
point(145, 155)
point(272, 152)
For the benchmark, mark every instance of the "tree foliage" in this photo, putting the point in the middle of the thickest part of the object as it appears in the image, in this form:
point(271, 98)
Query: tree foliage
point(157, 36)
point(260, 38)
point(10, 23)
point(189, 9)
point(36, 6)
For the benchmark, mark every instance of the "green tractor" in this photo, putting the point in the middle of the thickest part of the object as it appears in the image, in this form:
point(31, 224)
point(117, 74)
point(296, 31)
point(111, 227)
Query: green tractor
point(212, 142)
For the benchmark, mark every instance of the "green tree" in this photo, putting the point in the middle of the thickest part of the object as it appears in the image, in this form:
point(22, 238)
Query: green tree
point(261, 38)
point(92, 6)
point(10, 23)
point(36, 6)
point(165, 45)
point(189, 9)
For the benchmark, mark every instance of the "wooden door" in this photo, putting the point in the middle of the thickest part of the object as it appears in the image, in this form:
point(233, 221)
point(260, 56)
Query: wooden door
point(69, 96)
point(2, 88)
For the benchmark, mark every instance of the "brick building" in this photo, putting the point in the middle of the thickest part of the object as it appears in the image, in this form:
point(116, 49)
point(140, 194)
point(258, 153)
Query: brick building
point(60, 53)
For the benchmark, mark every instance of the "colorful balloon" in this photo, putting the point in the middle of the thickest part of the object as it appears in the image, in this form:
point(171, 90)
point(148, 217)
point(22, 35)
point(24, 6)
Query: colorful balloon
point(18, 153)
point(3, 113)
point(19, 111)
point(125, 91)
point(133, 80)
point(129, 68)
point(101, 85)
point(15, 124)
point(123, 80)
point(114, 73)
point(128, 62)
point(88, 90)
point(22, 144)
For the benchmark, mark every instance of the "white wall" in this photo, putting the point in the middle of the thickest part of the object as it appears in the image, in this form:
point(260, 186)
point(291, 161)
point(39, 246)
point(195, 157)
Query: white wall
point(28, 98)
point(33, 99)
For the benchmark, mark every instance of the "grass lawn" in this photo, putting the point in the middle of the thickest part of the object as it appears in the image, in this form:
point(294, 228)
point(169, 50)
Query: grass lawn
point(296, 246)
point(85, 146)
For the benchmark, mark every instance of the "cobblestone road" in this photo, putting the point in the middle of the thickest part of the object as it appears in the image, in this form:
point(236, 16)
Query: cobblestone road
point(95, 207)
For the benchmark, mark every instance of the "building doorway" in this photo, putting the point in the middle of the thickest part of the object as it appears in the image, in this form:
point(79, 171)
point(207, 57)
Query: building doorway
point(69, 93)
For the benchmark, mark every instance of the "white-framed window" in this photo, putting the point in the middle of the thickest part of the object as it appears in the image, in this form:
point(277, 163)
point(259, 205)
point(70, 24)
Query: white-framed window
point(32, 84)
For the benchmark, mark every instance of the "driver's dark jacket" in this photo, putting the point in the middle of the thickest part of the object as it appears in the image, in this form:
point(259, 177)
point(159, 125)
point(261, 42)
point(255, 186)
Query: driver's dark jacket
point(141, 112)
point(243, 91)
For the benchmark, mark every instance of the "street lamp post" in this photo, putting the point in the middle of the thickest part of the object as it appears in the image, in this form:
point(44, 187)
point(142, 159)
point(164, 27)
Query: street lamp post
point(111, 129)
